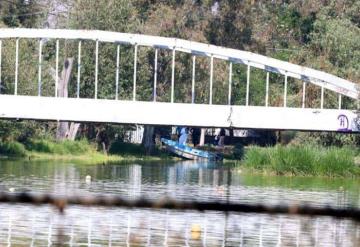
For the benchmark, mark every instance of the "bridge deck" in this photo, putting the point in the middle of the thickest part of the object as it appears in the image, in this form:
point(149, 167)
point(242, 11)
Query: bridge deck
point(159, 113)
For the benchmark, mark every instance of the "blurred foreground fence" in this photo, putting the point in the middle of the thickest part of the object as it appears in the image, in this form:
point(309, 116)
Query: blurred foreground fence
point(61, 202)
point(100, 220)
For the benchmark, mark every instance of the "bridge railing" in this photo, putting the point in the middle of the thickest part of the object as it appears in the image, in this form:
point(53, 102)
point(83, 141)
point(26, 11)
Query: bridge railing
point(320, 79)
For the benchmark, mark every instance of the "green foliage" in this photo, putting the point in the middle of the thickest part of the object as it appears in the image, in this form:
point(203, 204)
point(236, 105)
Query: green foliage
point(122, 148)
point(20, 13)
point(63, 147)
point(326, 139)
point(13, 149)
point(303, 160)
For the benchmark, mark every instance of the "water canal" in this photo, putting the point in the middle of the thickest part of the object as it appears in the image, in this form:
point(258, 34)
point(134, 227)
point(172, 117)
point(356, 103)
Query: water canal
point(25, 225)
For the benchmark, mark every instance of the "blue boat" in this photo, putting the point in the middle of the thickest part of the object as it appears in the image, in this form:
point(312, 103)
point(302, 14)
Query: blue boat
point(190, 153)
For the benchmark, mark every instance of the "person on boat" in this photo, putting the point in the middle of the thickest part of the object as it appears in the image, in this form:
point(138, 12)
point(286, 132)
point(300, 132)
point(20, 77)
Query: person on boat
point(183, 136)
point(221, 137)
point(196, 133)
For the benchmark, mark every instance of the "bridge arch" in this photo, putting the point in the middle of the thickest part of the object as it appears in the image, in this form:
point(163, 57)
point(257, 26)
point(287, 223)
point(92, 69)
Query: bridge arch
point(288, 70)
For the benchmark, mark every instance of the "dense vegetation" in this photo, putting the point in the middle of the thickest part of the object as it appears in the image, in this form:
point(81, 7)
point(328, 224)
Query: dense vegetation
point(321, 34)
point(303, 160)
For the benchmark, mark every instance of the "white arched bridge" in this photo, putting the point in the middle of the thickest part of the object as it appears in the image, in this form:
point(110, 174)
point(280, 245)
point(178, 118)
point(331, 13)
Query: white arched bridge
point(14, 105)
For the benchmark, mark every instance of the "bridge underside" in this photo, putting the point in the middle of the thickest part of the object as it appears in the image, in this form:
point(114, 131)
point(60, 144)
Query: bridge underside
point(158, 113)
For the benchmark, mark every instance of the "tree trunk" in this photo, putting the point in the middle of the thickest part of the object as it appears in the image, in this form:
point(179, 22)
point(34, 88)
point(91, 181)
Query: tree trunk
point(148, 139)
point(64, 131)
point(73, 129)
point(202, 137)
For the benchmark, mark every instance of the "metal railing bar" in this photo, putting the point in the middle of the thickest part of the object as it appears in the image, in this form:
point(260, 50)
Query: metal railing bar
point(155, 74)
point(57, 68)
point(40, 66)
point(247, 84)
point(285, 90)
point(267, 89)
point(135, 71)
point(303, 94)
point(78, 71)
point(193, 80)
point(340, 101)
point(16, 65)
point(117, 72)
point(211, 79)
point(96, 67)
point(230, 82)
point(172, 75)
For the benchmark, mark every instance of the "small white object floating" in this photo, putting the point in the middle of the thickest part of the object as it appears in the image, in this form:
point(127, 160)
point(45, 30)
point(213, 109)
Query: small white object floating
point(88, 179)
point(11, 189)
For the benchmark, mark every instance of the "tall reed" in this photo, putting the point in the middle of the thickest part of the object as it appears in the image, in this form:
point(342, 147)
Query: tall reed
point(303, 160)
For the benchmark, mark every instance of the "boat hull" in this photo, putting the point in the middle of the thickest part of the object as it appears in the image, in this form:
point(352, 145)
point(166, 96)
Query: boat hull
point(190, 153)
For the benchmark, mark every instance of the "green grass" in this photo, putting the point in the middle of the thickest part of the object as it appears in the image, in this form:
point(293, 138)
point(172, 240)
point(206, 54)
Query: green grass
point(303, 161)
point(81, 150)
point(61, 148)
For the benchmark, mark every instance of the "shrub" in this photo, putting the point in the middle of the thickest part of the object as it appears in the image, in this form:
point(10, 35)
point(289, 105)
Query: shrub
point(14, 149)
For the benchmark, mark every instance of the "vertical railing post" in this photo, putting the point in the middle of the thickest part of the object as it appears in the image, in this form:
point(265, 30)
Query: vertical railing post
point(57, 68)
point(193, 81)
point(96, 67)
point(155, 73)
point(267, 89)
point(78, 70)
point(16, 65)
point(0, 65)
point(117, 72)
point(40, 64)
point(135, 71)
point(211, 78)
point(230, 83)
point(322, 98)
point(340, 101)
point(303, 94)
point(173, 75)
point(285, 90)
point(247, 83)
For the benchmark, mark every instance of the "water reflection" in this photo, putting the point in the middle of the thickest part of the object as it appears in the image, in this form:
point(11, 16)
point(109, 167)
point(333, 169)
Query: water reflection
point(96, 226)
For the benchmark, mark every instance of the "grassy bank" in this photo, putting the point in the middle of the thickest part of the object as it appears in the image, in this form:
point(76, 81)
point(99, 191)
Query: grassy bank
point(80, 150)
point(303, 161)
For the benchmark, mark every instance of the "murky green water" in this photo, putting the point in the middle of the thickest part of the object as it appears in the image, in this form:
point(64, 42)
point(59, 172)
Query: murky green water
point(24, 225)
